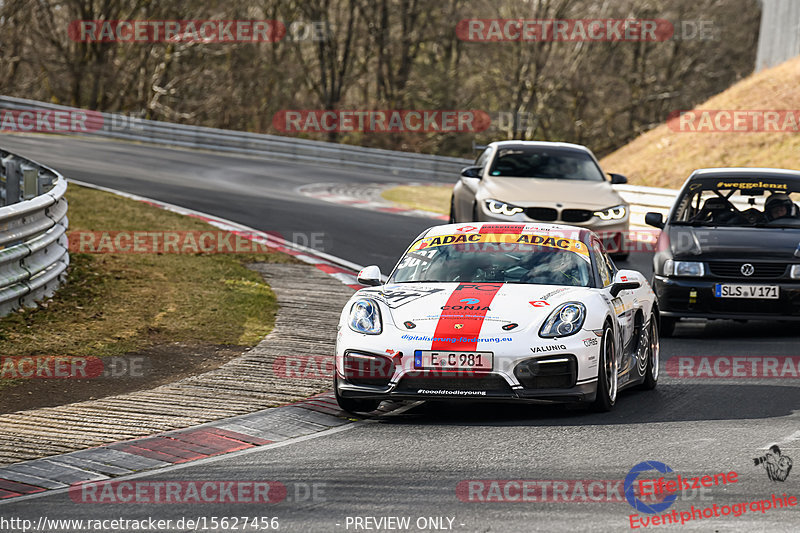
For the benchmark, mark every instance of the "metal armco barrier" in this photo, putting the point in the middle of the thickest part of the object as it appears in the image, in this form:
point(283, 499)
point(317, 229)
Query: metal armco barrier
point(406, 164)
point(273, 147)
point(33, 224)
point(645, 199)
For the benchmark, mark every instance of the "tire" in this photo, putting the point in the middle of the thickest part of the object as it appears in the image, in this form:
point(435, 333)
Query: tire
point(607, 379)
point(354, 405)
point(653, 354)
point(667, 326)
point(452, 219)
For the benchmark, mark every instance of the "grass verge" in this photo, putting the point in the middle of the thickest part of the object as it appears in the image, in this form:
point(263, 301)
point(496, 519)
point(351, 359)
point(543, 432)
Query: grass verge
point(434, 198)
point(114, 304)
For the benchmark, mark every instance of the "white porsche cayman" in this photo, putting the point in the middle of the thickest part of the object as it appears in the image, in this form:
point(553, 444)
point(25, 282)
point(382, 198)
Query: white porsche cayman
point(524, 312)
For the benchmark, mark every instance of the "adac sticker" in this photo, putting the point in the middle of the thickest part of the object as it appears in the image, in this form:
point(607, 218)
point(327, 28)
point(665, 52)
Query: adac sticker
point(549, 241)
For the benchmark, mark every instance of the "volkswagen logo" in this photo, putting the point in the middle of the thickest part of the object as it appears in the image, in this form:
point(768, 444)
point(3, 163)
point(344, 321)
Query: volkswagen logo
point(747, 269)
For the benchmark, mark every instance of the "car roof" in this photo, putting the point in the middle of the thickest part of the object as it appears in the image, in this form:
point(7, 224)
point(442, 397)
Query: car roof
point(744, 172)
point(540, 144)
point(574, 232)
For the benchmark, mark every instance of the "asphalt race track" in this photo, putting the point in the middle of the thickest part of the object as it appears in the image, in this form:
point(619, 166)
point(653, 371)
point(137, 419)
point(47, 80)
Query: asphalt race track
point(418, 462)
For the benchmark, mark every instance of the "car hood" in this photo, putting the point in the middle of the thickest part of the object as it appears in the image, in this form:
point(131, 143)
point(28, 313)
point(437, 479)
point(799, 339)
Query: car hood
point(548, 192)
point(739, 243)
point(426, 305)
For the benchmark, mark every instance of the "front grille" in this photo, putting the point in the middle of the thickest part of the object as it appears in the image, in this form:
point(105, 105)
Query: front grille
point(732, 269)
point(491, 383)
point(544, 214)
point(368, 369)
point(576, 215)
point(551, 372)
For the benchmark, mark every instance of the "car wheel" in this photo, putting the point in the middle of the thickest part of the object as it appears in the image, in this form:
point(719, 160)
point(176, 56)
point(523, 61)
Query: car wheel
point(653, 354)
point(667, 326)
point(606, 373)
point(354, 405)
point(452, 219)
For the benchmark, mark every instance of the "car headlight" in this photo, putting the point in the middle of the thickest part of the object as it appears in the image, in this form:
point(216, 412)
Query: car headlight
point(501, 208)
point(693, 269)
point(365, 317)
point(565, 320)
point(794, 273)
point(612, 213)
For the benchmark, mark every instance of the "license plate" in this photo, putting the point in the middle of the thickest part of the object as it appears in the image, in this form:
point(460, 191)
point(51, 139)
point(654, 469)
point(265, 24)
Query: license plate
point(766, 292)
point(445, 360)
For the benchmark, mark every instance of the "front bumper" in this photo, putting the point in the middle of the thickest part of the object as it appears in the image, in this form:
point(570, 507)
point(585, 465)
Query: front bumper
point(492, 387)
point(607, 228)
point(694, 298)
point(551, 378)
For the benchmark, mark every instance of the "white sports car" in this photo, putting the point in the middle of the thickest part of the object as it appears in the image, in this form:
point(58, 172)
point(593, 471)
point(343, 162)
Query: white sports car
point(531, 312)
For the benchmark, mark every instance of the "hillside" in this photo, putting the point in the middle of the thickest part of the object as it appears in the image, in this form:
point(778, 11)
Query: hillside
point(664, 157)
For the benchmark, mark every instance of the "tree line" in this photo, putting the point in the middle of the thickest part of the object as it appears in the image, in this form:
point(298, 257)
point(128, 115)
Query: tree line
point(385, 55)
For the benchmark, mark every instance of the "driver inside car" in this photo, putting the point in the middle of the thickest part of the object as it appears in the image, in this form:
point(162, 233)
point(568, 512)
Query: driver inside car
point(779, 205)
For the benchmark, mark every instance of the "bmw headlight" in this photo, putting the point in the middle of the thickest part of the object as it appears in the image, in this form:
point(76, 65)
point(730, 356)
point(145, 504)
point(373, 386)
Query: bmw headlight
point(565, 320)
point(502, 208)
point(693, 269)
point(365, 317)
point(612, 213)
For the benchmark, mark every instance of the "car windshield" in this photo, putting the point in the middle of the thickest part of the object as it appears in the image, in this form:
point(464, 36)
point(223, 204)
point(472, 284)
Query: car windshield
point(739, 202)
point(535, 162)
point(499, 258)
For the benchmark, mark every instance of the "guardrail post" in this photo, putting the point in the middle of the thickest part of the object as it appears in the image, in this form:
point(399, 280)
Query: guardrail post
point(12, 182)
point(44, 182)
point(30, 185)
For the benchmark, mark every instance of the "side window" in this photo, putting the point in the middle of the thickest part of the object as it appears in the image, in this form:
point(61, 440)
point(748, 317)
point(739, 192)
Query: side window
point(483, 158)
point(604, 268)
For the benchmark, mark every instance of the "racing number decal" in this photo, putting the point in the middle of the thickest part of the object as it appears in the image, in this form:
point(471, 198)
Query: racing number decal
point(460, 331)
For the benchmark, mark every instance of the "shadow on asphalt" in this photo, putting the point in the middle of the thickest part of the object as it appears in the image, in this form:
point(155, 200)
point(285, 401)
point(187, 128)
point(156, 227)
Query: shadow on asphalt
point(670, 402)
point(731, 329)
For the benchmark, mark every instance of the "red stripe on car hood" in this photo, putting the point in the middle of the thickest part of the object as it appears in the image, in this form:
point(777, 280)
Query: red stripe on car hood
point(458, 329)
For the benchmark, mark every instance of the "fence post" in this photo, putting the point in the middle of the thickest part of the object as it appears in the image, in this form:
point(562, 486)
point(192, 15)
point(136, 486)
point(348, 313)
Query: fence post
point(12, 182)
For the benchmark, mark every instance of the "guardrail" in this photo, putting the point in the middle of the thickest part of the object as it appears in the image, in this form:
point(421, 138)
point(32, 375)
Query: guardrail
point(642, 200)
point(33, 222)
point(274, 147)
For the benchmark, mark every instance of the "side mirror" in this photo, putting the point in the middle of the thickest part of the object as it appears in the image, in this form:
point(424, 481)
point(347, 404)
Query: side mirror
point(370, 275)
point(625, 280)
point(617, 179)
point(471, 172)
point(654, 219)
